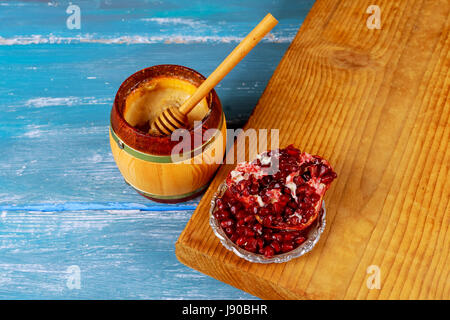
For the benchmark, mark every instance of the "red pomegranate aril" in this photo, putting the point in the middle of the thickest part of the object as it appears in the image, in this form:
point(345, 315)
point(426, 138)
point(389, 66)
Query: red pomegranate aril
point(292, 204)
point(258, 228)
point(276, 246)
point(299, 240)
point(284, 198)
point(288, 237)
point(234, 209)
point(264, 212)
point(294, 220)
point(240, 230)
point(254, 189)
point(251, 245)
point(265, 198)
point(229, 230)
point(291, 150)
point(278, 237)
point(310, 212)
point(241, 241)
point(240, 215)
point(328, 177)
point(234, 237)
point(226, 223)
point(277, 207)
point(288, 211)
point(253, 209)
point(240, 223)
point(287, 246)
point(260, 243)
point(219, 204)
point(303, 188)
point(224, 215)
point(321, 170)
point(314, 197)
point(268, 252)
point(267, 236)
point(248, 232)
point(249, 219)
point(267, 221)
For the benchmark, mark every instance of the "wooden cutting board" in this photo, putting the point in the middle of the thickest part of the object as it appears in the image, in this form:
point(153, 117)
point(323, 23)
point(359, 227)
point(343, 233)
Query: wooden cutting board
point(375, 102)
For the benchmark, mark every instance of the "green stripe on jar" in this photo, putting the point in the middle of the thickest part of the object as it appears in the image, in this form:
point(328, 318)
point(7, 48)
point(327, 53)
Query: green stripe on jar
point(162, 159)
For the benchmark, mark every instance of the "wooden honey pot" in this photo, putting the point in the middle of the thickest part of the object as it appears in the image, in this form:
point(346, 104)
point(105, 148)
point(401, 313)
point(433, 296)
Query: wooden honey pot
point(147, 162)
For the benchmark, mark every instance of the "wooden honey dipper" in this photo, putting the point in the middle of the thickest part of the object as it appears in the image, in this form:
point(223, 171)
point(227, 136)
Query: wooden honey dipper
point(173, 118)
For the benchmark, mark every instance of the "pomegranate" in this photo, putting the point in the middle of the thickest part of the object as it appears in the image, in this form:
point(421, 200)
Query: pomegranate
point(269, 203)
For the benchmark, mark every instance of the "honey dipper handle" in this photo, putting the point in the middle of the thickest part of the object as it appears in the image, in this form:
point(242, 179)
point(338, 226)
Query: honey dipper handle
point(247, 44)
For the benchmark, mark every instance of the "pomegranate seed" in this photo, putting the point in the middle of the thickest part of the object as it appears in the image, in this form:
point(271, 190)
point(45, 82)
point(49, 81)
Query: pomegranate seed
point(253, 209)
point(240, 230)
point(248, 232)
point(251, 245)
point(284, 198)
point(276, 246)
point(219, 204)
point(288, 211)
point(294, 220)
point(267, 221)
point(314, 197)
point(227, 223)
point(288, 237)
point(258, 228)
point(292, 204)
point(321, 170)
point(240, 223)
point(249, 219)
point(264, 211)
point(265, 198)
point(278, 237)
point(328, 177)
point(260, 243)
point(268, 252)
point(254, 189)
point(287, 246)
point(241, 241)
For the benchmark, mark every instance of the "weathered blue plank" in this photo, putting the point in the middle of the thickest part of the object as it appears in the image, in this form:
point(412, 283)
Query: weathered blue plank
point(127, 254)
point(62, 199)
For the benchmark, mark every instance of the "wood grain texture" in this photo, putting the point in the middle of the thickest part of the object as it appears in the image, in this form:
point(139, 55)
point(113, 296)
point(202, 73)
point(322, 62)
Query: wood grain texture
point(376, 104)
point(62, 199)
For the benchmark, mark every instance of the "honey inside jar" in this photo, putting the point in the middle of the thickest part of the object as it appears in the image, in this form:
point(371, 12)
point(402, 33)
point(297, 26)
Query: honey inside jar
point(146, 102)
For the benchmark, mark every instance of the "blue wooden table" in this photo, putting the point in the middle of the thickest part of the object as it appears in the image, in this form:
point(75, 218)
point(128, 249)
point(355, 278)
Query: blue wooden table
point(70, 228)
